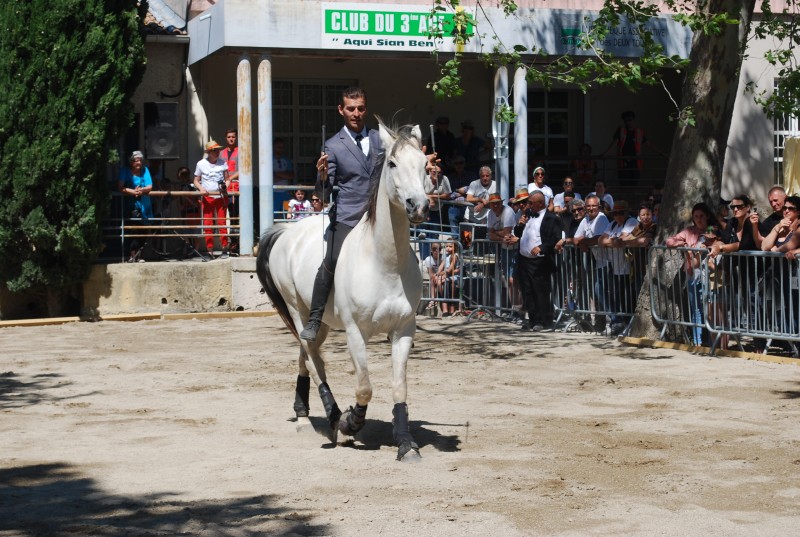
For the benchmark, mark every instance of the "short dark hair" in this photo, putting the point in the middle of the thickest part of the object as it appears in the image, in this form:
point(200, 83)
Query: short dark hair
point(231, 130)
point(744, 199)
point(353, 92)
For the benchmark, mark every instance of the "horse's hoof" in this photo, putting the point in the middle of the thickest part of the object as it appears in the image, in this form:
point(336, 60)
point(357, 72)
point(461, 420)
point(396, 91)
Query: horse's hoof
point(344, 427)
point(303, 425)
point(352, 420)
point(408, 452)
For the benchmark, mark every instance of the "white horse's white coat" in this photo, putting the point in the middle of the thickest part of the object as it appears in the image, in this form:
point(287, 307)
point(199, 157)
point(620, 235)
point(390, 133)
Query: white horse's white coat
point(377, 285)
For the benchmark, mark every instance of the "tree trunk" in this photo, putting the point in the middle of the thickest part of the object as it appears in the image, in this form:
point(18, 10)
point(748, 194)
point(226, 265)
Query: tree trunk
point(694, 173)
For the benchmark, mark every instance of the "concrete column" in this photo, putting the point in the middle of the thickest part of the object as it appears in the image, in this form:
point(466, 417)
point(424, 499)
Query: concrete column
point(265, 192)
point(520, 130)
point(244, 105)
point(500, 139)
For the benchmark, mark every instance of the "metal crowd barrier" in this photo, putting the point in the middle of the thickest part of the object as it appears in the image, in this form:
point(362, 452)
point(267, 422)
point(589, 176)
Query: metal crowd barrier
point(589, 286)
point(753, 294)
point(489, 287)
point(440, 294)
point(737, 295)
point(595, 289)
point(174, 229)
point(697, 299)
point(676, 291)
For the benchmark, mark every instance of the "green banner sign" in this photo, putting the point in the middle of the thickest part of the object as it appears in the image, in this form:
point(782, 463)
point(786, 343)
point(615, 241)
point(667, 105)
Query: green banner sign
point(393, 23)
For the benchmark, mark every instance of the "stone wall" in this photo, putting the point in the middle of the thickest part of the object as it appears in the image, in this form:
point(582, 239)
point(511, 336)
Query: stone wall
point(173, 287)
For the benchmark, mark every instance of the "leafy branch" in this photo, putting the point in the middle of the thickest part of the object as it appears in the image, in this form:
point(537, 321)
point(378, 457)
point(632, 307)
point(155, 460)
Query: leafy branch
point(601, 67)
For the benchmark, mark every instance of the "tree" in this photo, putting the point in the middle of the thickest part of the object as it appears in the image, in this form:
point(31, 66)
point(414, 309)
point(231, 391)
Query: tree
point(67, 71)
point(694, 172)
point(721, 30)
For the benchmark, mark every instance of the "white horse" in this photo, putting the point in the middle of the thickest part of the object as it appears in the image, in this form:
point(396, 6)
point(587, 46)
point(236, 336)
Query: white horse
point(377, 286)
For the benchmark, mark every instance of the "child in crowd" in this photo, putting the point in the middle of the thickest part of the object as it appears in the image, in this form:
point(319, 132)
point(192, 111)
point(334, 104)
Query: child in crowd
point(299, 206)
point(450, 269)
point(435, 277)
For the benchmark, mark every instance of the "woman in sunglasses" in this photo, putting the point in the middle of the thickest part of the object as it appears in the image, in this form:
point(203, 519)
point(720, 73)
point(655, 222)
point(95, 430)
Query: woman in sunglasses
point(744, 271)
point(741, 230)
point(784, 237)
point(316, 203)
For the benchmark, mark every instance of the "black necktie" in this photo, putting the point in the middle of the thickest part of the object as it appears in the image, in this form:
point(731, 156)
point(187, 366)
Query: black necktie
point(358, 141)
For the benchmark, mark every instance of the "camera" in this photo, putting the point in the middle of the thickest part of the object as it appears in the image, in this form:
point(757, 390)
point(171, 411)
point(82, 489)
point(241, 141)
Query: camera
point(222, 188)
point(528, 212)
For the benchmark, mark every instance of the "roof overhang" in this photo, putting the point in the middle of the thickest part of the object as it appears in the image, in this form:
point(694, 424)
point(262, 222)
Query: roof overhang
point(364, 29)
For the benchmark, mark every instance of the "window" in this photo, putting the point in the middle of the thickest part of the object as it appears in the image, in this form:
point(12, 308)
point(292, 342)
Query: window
point(784, 127)
point(299, 109)
point(548, 123)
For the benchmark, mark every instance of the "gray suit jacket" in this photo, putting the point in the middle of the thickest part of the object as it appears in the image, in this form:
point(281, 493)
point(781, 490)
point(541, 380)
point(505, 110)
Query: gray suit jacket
point(352, 172)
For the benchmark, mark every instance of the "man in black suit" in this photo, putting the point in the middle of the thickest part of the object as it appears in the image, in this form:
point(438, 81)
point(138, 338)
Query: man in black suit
point(352, 159)
point(539, 231)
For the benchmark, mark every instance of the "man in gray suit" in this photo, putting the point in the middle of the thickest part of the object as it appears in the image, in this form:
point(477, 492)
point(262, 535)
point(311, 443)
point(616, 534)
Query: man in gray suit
point(352, 159)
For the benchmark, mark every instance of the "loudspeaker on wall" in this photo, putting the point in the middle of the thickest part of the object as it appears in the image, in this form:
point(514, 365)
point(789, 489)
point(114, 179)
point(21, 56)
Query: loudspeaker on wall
point(161, 131)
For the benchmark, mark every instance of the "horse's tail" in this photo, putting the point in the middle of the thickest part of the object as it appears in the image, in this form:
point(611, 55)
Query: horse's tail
point(265, 276)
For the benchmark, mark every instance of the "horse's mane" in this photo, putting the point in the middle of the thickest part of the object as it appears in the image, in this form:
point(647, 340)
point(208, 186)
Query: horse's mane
point(404, 135)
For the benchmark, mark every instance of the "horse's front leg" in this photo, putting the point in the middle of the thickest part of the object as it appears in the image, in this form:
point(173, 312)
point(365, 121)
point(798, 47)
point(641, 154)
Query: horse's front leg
point(301, 393)
point(312, 364)
point(354, 418)
point(407, 448)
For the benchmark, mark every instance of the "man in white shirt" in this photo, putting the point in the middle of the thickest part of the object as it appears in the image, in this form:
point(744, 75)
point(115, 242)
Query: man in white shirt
point(588, 236)
point(601, 192)
point(559, 205)
point(539, 231)
point(478, 194)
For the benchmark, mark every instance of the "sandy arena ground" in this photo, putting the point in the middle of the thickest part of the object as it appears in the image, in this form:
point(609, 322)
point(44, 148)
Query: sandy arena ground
point(186, 428)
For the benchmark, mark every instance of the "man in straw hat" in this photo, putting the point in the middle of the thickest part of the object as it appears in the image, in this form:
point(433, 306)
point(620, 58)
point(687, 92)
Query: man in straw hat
point(211, 179)
point(501, 222)
point(619, 284)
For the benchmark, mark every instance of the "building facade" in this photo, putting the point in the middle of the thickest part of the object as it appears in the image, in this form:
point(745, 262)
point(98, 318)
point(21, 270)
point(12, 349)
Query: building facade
point(275, 68)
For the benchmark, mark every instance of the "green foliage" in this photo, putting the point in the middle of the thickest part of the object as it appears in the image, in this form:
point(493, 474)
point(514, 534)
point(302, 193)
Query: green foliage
point(602, 68)
point(449, 85)
point(505, 114)
point(783, 26)
point(67, 71)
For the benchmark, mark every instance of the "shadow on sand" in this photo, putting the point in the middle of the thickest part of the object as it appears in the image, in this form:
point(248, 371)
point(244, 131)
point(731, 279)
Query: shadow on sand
point(56, 499)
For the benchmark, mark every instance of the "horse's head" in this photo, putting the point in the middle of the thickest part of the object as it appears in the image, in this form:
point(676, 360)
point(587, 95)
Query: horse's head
point(404, 171)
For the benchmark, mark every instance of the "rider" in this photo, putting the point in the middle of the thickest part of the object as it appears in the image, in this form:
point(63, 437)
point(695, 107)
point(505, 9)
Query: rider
point(351, 160)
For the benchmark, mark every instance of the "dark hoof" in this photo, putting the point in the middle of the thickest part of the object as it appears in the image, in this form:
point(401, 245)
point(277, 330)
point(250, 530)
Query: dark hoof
point(408, 452)
point(353, 420)
point(344, 427)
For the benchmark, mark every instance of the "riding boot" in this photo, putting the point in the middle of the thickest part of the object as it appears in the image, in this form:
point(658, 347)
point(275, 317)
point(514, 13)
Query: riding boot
point(319, 297)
